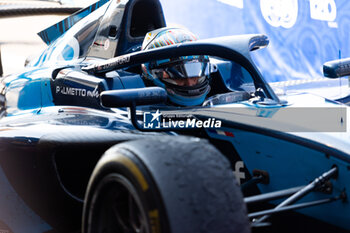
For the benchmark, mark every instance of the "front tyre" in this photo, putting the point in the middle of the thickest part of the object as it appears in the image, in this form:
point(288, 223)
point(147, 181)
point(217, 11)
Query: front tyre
point(162, 185)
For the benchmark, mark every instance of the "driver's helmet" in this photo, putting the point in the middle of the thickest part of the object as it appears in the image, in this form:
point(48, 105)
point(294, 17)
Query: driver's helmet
point(186, 79)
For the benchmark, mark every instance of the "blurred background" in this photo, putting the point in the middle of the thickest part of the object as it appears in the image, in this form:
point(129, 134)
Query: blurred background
point(18, 34)
point(303, 35)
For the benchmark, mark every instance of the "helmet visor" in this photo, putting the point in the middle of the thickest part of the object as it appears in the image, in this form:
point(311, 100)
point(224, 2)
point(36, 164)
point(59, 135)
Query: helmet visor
point(184, 74)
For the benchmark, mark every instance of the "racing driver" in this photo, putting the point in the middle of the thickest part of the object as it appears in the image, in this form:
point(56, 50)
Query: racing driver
point(186, 79)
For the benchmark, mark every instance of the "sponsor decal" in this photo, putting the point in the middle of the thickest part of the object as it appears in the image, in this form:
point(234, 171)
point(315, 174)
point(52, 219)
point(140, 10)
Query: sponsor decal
point(106, 45)
point(280, 13)
point(73, 91)
point(325, 10)
point(156, 120)
point(240, 175)
point(154, 219)
point(122, 60)
point(117, 61)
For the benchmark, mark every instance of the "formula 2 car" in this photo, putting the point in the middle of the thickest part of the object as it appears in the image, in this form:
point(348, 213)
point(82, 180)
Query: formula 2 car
point(87, 147)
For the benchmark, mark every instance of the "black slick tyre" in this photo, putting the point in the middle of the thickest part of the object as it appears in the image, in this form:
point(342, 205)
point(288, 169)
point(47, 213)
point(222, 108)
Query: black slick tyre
point(164, 185)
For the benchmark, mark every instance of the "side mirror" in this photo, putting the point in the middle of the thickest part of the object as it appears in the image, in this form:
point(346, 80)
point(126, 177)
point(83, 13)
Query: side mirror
point(337, 68)
point(133, 97)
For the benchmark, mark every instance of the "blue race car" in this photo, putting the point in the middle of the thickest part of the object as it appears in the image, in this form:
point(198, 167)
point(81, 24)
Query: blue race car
point(91, 141)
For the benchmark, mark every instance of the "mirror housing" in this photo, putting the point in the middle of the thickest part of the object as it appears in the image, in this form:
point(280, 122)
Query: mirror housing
point(133, 97)
point(337, 68)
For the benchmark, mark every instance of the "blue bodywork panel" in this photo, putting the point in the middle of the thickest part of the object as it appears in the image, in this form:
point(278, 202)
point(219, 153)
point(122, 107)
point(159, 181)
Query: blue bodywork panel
point(52, 33)
point(291, 167)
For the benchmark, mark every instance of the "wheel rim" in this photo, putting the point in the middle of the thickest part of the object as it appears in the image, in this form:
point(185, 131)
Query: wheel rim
point(118, 208)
